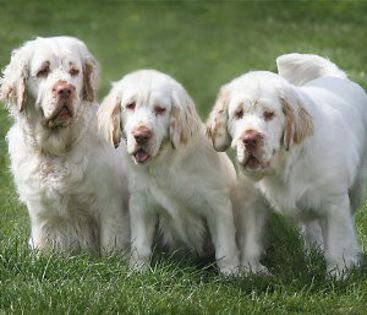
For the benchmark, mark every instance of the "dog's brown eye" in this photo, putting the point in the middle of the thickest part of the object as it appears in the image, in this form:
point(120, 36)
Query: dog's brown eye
point(43, 73)
point(268, 115)
point(159, 110)
point(74, 72)
point(239, 114)
point(131, 106)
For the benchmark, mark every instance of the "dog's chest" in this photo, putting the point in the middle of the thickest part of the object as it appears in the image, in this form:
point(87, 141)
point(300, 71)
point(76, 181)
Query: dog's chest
point(294, 199)
point(281, 196)
point(181, 213)
point(58, 183)
point(175, 190)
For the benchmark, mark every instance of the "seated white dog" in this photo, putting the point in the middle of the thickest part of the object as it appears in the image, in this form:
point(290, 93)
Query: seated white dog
point(175, 176)
point(72, 182)
point(301, 136)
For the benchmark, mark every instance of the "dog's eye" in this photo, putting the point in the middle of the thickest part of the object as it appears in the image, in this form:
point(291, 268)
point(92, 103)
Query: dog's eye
point(159, 110)
point(131, 106)
point(74, 72)
point(43, 73)
point(239, 114)
point(268, 115)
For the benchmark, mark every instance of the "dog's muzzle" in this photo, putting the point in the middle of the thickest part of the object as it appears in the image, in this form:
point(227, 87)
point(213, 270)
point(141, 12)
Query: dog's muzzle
point(253, 142)
point(141, 135)
point(64, 93)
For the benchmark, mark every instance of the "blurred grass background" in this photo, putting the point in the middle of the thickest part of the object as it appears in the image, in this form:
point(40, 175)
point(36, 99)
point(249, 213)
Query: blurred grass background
point(203, 45)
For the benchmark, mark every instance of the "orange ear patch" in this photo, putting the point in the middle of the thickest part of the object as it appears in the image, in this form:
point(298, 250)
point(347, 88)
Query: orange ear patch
point(217, 122)
point(298, 125)
point(88, 90)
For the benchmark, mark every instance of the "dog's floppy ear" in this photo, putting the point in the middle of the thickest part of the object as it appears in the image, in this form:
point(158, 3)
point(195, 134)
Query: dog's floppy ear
point(184, 120)
point(14, 79)
point(298, 121)
point(218, 120)
point(90, 79)
point(109, 119)
point(91, 73)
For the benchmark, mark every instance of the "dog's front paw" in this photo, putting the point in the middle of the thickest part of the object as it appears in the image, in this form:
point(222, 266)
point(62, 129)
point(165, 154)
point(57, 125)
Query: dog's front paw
point(138, 265)
point(230, 271)
point(229, 265)
point(254, 268)
point(340, 268)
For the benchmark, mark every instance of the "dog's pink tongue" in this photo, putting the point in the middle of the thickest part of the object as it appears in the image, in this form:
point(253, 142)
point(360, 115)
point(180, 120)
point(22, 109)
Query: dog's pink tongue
point(141, 156)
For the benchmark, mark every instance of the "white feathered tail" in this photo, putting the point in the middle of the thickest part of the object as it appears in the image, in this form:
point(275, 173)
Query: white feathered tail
point(298, 69)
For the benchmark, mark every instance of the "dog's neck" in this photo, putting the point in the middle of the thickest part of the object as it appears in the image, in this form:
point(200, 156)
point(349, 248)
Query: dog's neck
point(52, 141)
point(282, 166)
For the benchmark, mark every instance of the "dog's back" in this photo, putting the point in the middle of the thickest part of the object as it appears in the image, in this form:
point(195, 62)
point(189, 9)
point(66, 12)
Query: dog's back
point(332, 90)
point(298, 69)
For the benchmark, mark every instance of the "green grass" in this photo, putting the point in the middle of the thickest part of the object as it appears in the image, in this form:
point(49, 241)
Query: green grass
point(203, 45)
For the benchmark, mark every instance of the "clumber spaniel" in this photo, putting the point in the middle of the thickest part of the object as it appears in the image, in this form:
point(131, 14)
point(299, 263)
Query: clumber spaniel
point(301, 136)
point(72, 182)
point(175, 176)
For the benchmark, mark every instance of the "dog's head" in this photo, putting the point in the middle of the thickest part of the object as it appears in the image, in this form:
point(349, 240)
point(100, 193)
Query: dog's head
point(151, 111)
point(49, 78)
point(258, 114)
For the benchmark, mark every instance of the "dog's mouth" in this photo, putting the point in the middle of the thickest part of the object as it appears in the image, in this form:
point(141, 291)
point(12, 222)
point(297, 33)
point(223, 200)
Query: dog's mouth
point(254, 163)
point(60, 117)
point(141, 156)
point(64, 114)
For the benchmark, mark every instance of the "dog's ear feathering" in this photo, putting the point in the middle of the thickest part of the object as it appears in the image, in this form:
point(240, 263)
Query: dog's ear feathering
point(217, 122)
point(184, 121)
point(91, 75)
point(109, 119)
point(299, 124)
point(13, 80)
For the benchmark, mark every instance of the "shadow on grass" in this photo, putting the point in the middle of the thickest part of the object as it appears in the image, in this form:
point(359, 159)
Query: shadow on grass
point(291, 268)
point(291, 265)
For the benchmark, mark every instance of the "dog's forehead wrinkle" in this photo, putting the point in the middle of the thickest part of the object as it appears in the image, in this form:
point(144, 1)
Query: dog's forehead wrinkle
point(55, 57)
point(145, 97)
point(257, 99)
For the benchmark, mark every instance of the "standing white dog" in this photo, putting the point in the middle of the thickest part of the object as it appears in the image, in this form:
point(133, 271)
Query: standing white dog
point(301, 136)
point(72, 183)
point(175, 176)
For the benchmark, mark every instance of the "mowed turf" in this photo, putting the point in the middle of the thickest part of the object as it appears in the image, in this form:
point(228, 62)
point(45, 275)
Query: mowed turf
point(203, 45)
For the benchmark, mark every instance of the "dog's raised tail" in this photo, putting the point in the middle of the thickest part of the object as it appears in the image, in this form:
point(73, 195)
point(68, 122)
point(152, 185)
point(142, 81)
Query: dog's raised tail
point(298, 69)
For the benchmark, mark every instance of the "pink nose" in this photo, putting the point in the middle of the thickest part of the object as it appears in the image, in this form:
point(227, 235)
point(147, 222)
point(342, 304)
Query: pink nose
point(63, 89)
point(142, 135)
point(252, 139)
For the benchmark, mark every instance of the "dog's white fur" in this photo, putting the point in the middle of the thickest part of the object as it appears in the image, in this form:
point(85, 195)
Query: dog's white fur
point(310, 159)
point(73, 184)
point(180, 182)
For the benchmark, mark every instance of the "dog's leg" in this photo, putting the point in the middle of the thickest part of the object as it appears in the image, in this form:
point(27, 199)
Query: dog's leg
point(250, 224)
point(341, 247)
point(37, 241)
point(114, 229)
point(222, 230)
point(44, 236)
point(312, 234)
point(143, 223)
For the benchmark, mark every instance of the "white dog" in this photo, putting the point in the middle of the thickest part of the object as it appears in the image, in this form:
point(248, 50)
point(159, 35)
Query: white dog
point(72, 183)
point(175, 176)
point(301, 136)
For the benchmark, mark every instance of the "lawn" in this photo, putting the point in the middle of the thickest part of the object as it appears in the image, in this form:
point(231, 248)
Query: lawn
point(202, 45)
